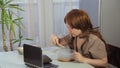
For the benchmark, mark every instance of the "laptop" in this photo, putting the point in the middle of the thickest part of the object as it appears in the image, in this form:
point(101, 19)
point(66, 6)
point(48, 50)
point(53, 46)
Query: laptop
point(33, 56)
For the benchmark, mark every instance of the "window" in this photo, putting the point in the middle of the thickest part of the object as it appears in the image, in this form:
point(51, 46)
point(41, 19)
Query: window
point(44, 17)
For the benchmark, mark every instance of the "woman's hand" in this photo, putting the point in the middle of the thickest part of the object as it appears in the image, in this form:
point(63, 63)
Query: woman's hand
point(95, 62)
point(78, 57)
point(55, 40)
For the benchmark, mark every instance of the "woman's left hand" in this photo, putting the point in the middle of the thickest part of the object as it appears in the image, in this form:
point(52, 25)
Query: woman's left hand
point(78, 57)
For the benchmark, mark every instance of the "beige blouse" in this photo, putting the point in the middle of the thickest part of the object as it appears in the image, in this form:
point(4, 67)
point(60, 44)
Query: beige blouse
point(93, 48)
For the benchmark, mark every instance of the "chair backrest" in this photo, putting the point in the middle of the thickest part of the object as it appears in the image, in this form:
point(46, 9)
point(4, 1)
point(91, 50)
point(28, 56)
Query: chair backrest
point(114, 55)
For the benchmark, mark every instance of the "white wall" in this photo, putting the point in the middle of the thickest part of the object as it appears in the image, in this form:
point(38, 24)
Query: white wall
point(110, 21)
point(92, 8)
point(106, 15)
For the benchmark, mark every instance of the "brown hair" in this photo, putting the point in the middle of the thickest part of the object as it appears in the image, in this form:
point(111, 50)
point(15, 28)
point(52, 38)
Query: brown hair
point(79, 19)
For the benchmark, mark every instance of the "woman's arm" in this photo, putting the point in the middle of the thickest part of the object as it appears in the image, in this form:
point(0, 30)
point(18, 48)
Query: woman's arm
point(95, 62)
point(65, 40)
point(60, 41)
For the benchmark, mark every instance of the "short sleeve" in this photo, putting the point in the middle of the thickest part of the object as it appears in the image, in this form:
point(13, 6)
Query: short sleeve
point(98, 49)
point(65, 40)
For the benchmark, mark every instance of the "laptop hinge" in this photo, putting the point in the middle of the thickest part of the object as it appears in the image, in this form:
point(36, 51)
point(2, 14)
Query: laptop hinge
point(32, 65)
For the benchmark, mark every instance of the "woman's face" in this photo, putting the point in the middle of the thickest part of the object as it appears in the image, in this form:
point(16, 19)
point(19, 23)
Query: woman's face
point(74, 32)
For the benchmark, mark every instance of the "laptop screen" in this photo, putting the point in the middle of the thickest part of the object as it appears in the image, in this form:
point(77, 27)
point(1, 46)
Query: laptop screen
point(32, 55)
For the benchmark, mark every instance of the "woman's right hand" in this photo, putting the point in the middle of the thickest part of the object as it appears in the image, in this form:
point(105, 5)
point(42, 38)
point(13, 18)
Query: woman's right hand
point(55, 40)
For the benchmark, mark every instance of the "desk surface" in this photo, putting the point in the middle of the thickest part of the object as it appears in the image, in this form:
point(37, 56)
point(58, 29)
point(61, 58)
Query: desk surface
point(14, 60)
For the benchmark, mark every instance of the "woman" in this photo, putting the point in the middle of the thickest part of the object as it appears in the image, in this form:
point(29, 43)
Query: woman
point(84, 39)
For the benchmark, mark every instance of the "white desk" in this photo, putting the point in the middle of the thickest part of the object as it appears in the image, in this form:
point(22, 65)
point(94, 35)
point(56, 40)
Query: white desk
point(14, 60)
